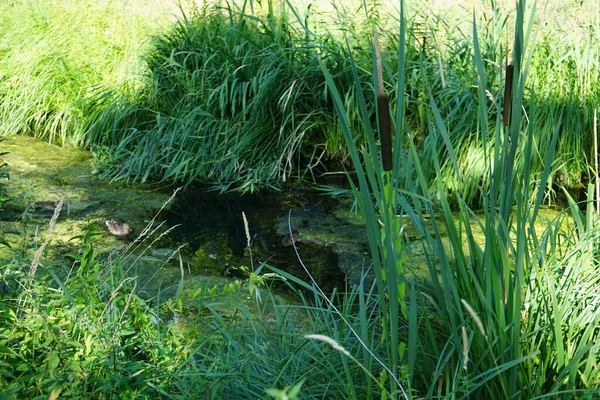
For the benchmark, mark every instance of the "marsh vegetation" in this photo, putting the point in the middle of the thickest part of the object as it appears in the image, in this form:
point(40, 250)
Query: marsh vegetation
point(412, 103)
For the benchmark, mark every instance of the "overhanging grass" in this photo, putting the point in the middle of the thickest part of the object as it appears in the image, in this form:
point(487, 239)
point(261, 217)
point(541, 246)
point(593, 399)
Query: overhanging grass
point(227, 97)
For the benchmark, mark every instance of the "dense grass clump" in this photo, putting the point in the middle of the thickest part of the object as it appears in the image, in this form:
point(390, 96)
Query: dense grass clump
point(226, 97)
point(85, 335)
point(223, 80)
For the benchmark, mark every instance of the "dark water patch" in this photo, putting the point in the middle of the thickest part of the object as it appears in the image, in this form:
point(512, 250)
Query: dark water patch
point(213, 227)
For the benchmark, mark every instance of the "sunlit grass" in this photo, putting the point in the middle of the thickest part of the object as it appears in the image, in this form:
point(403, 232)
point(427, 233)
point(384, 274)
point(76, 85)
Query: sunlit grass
point(164, 111)
point(54, 55)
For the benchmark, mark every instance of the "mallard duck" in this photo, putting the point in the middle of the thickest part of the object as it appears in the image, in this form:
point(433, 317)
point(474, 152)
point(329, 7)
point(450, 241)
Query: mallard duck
point(289, 240)
point(118, 229)
point(45, 205)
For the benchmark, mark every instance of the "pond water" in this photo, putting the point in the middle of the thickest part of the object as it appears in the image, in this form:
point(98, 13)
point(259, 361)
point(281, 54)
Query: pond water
point(209, 225)
point(212, 225)
point(208, 228)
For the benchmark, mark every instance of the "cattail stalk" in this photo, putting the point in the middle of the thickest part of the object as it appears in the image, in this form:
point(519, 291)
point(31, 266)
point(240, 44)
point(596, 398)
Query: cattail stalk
point(383, 113)
point(507, 94)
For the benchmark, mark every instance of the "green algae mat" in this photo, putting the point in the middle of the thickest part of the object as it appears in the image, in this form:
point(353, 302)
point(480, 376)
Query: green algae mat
point(42, 174)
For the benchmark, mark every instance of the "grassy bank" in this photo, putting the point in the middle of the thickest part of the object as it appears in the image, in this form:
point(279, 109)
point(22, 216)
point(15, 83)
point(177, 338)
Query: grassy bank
point(192, 102)
point(55, 55)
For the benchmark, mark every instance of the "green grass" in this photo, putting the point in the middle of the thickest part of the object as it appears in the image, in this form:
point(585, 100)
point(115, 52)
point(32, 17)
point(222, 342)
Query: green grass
point(493, 319)
point(4, 176)
point(227, 97)
point(191, 102)
point(513, 317)
point(47, 76)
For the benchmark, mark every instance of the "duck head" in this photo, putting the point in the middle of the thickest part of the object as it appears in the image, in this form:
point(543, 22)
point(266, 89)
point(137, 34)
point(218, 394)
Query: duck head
point(289, 240)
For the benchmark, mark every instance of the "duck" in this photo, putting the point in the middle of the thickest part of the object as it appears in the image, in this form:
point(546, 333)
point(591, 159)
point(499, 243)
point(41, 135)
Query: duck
point(118, 229)
point(289, 240)
point(45, 205)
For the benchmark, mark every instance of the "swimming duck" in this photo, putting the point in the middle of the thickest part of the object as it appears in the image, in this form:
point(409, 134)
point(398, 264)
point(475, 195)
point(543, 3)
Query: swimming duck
point(289, 240)
point(118, 229)
point(45, 205)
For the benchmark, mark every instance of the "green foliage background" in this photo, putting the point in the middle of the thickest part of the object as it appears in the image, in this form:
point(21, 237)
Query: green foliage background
point(232, 94)
point(247, 98)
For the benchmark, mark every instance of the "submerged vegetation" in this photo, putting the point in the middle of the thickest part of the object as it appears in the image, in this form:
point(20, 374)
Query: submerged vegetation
point(246, 98)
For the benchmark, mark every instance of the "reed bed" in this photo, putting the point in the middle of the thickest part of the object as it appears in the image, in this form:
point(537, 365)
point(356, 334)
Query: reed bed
point(492, 322)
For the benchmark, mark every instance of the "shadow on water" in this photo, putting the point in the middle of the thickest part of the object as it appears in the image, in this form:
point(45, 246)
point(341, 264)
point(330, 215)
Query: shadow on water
point(212, 226)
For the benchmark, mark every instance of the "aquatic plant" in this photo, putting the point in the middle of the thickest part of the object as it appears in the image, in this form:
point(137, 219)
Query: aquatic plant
point(4, 175)
point(473, 329)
